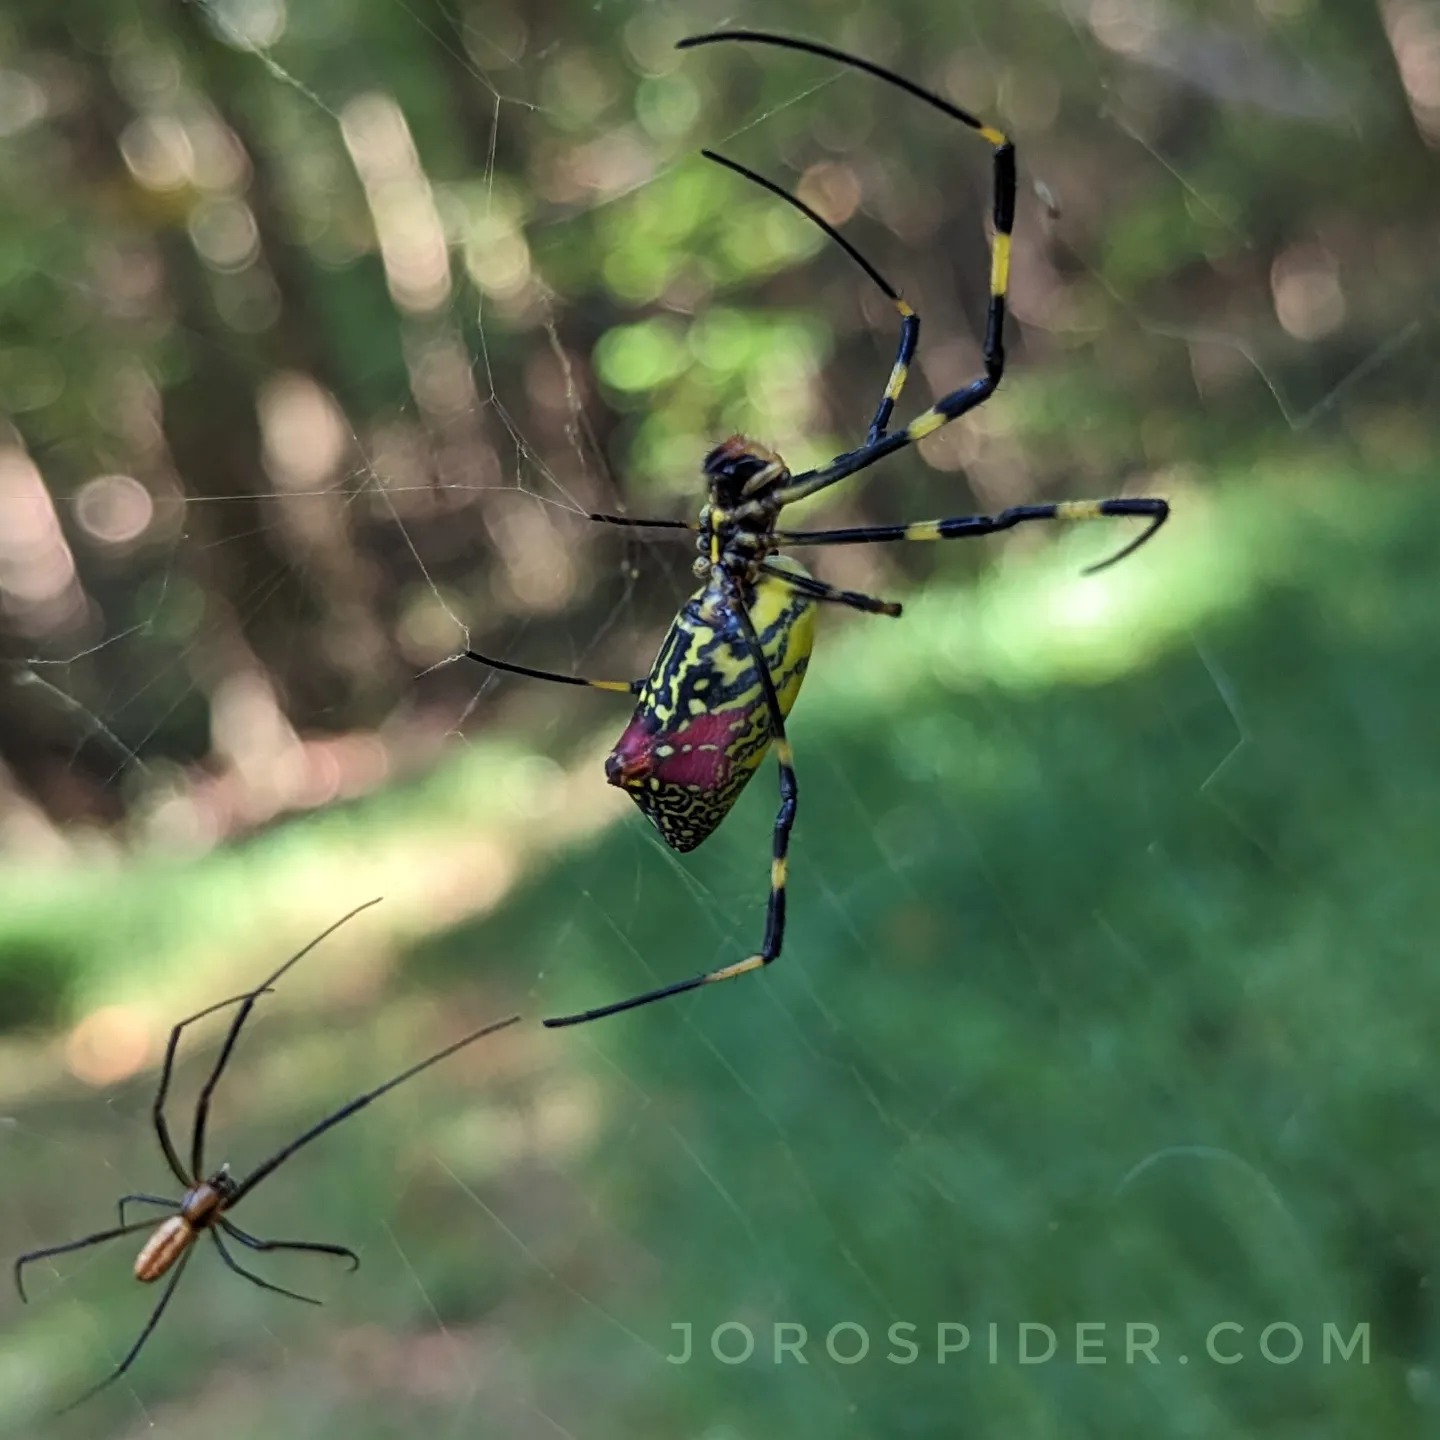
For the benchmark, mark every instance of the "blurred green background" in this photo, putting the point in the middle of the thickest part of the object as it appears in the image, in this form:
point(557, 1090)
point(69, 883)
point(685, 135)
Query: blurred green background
point(1108, 994)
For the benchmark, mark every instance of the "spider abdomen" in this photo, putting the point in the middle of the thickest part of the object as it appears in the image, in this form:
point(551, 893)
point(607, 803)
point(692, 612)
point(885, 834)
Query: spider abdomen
point(701, 727)
point(172, 1238)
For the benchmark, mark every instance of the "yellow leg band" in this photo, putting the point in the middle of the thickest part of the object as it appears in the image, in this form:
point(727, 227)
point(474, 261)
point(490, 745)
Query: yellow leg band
point(741, 967)
point(926, 424)
point(1000, 265)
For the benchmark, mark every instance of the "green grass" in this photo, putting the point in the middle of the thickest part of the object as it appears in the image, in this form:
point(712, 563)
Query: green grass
point(1108, 997)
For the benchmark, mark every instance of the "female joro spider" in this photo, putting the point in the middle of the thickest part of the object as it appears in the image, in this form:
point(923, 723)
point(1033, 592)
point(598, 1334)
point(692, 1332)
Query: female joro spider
point(206, 1204)
point(732, 664)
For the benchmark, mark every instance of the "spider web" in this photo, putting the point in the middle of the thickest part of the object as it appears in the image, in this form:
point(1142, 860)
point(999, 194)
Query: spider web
point(1063, 1034)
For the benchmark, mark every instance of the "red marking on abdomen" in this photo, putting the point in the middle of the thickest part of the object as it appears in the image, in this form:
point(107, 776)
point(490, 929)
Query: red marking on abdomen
point(702, 751)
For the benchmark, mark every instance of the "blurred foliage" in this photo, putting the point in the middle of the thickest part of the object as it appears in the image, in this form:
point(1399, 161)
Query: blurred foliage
point(428, 259)
point(1107, 993)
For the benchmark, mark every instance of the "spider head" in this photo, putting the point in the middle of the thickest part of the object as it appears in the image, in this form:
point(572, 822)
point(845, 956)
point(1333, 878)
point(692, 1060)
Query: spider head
point(741, 469)
point(202, 1203)
point(222, 1182)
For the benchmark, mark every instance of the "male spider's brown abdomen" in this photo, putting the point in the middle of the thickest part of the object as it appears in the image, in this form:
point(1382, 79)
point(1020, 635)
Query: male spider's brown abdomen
point(702, 727)
point(171, 1239)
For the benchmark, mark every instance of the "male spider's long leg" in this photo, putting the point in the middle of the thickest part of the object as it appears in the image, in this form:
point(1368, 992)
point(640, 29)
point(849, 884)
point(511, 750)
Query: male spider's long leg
point(98, 1238)
point(959, 402)
point(267, 1167)
point(624, 687)
point(310, 1247)
point(162, 1200)
point(157, 1106)
point(909, 320)
point(254, 1279)
point(202, 1105)
point(145, 1334)
point(784, 821)
point(818, 590)
point(964, 527)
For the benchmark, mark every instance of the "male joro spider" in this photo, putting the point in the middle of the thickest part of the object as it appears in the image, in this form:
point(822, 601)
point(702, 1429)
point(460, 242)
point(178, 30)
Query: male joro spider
point(206, 1203)
point(732, 664)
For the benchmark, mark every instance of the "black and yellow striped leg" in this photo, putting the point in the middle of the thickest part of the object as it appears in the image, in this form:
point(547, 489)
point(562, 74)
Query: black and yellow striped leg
point(909, 320)
point(965, 527)
point(818, 590)
point(623, 687)
point(780, 849)
point(899, 372)
point(958, 402)
point(602, 519)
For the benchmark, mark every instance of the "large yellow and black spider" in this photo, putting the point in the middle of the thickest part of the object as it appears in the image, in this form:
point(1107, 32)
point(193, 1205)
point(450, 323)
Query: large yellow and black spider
point(730, 668)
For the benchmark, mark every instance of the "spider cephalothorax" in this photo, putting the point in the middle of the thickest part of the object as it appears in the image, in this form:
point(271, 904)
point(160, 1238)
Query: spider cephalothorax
point(736, 526)
point(742, 469)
